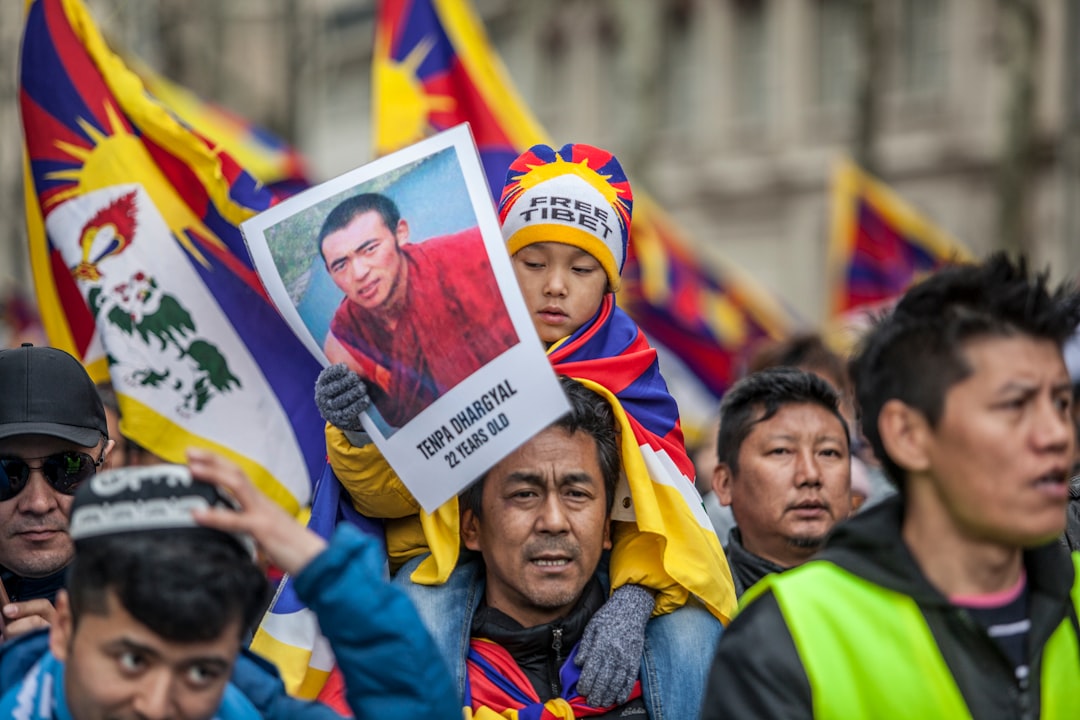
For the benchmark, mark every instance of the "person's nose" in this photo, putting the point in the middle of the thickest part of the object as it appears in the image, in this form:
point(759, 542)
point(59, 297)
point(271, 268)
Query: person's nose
point(807, 469)
point(360, 266)
point(38, 497)
point(153, 700)
point(555, 283)
point(553, 519)
point(1054, 430)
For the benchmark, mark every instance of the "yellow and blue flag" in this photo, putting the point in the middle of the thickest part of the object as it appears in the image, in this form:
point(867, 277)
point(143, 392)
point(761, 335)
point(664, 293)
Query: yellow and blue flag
point(879, 245)
point(263, 155)
point(140, 268)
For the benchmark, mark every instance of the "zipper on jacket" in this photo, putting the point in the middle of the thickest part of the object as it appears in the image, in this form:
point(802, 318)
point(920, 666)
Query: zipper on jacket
point(1023, 685)
point(556, 645)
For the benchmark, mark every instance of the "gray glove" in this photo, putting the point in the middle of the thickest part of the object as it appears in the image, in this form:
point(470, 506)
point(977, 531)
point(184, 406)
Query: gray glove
point(342, 397)
point(610, 649)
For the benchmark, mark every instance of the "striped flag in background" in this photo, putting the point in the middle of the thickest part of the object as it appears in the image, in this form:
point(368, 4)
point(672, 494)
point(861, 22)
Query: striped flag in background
point(879, 245)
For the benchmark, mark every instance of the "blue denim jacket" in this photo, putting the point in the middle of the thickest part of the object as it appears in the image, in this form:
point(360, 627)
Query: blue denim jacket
point(679, 647)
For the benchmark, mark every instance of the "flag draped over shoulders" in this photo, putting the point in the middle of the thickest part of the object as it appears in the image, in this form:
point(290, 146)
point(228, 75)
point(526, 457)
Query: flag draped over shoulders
point(611, 355)
point(498, 688)
point(141, 270)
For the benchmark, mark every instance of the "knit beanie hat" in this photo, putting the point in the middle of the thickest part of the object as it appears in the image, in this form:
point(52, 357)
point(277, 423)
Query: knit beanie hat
point(577, 195)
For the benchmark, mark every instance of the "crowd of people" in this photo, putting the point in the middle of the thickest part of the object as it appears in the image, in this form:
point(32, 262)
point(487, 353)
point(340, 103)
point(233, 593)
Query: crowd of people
point(580, 576)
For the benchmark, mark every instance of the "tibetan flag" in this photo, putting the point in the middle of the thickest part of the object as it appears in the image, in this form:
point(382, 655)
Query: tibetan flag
point(434, 68)
point(263, 155)
point(496, 688)
point(674, 537)
point(140, 268)
point(289, 633)
point(879, 246)
point(707, 316)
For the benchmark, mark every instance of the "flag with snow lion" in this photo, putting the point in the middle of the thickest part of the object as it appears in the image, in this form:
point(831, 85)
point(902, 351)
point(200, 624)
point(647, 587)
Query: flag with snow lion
point(141, 271)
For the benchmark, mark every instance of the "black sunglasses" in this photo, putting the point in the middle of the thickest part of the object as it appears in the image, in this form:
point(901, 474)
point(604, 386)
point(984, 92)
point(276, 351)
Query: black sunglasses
point(63, 471)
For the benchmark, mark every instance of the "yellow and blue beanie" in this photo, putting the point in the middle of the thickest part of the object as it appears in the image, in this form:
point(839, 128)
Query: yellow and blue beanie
point(577, 195)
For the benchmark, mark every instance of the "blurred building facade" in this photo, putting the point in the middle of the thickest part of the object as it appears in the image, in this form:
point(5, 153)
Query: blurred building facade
point(729, 112)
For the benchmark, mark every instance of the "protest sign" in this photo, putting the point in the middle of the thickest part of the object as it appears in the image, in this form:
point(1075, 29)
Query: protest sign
point(399, 270)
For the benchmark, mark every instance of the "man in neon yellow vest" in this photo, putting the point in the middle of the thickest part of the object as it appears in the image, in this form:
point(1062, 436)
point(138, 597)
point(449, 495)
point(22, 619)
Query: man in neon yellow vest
point(953, 599)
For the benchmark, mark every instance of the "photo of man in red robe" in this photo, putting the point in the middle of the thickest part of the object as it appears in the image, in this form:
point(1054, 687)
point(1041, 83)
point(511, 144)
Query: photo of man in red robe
point(417, 317)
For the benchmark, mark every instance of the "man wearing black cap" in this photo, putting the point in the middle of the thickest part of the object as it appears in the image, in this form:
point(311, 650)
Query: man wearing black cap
point(53, 436)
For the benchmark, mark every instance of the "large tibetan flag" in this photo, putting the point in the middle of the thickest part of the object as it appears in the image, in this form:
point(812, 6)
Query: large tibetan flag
point(434, 68)
point(141, 270)
point(879, 246)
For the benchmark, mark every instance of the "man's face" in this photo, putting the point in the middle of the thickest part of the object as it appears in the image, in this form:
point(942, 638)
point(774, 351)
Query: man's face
point(793, 483)
point(544, 526)
point(116, 668)
point(365, 261)
point(1000, 455)
point(563, 287)
point(34, 541)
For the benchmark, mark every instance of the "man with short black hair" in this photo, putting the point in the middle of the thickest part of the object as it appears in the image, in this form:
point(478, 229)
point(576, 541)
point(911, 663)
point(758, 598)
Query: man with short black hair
point(953, 598)
point(53, 437)
point(784, 468)
point(511, 618)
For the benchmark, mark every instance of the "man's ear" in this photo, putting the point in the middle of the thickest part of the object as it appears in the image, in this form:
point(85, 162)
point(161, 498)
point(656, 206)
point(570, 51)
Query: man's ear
point(905, 434)
point(470, 529)
point(721, 483)
point(401, 232)
point(607, 532)
point(62, 628)
point(108, 449)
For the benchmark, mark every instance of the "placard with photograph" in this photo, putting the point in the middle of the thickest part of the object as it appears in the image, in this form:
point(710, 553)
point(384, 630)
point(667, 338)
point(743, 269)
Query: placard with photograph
point(398, 269)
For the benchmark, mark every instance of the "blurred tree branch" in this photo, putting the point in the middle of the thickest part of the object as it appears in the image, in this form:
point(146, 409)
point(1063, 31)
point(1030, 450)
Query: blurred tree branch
point(1021, 28)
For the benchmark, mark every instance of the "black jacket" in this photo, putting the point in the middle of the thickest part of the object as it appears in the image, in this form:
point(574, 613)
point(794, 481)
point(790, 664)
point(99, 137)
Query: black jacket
point(22, 588)
point(540, 651)
point(746, 567)
point(757, 672)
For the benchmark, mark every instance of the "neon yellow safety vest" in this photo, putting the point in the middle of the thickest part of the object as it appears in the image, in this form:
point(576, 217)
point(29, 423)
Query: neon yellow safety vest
point(869, 653)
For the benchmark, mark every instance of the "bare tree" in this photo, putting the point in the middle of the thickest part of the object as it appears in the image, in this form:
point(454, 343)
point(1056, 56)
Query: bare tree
point(869, 83)
point(1021, 27)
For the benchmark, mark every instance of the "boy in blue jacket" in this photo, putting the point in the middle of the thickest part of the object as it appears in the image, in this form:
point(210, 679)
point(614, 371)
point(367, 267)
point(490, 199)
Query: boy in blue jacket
point(165, 589)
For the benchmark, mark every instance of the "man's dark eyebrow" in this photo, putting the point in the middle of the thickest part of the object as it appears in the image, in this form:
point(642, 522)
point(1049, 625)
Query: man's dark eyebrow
point(576, 478)
point(366, 243)
point(1062, 388)
point(217, 663)
point(129, 644)
point(1026, 388)
point(525, 477)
